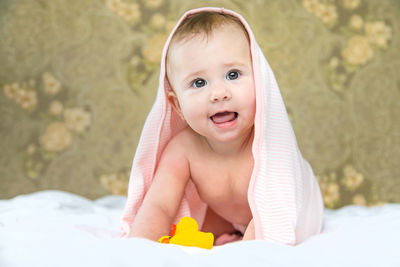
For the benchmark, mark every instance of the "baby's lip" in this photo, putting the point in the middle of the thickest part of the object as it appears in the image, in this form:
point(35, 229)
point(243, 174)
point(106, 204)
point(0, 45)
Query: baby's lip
point(224, 116)
point(222, 112)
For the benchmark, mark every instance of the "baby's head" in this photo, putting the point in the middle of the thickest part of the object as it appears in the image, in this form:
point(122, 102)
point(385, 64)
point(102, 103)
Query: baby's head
point(204, 23)
point(209, 70)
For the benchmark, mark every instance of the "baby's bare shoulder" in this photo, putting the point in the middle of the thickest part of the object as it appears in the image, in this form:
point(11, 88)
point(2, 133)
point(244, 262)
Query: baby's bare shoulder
point(181, 150)
point(185, 139)
point(174, 157)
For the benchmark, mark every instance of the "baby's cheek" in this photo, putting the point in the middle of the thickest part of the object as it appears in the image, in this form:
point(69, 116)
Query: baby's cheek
point(193, 110)
point(250, 101)
point(196, 117)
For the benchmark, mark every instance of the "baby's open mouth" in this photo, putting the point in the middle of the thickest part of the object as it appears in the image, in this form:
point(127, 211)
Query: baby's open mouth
point(222, 117)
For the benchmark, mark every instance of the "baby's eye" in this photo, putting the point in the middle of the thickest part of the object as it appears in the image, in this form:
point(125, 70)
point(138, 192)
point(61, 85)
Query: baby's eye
point(232, 75)
point(199, 83)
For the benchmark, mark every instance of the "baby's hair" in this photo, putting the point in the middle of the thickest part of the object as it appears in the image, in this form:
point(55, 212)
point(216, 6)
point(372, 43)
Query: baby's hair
point(204, 22)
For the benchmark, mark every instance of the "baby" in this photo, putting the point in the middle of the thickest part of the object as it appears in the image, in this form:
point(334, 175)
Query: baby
point(209, 69)
point(211, 150)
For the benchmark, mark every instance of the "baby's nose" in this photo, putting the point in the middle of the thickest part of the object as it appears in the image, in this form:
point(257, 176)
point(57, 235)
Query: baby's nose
point(221, 93)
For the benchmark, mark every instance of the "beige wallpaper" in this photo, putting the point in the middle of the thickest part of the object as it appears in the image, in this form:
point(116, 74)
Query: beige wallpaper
point(77, 79)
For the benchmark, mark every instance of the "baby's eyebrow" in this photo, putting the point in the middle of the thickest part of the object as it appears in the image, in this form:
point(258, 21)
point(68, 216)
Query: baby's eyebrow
point(235, 64)
point(193, 74)
point(199, 73)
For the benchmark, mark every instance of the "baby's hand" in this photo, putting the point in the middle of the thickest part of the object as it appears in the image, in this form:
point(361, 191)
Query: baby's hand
point(227, 238)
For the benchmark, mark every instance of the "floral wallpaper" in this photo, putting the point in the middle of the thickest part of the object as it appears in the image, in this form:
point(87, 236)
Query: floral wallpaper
point(78, 78)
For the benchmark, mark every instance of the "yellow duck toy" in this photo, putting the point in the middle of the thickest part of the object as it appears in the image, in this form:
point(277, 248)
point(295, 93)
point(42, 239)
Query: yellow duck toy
point(186, 233)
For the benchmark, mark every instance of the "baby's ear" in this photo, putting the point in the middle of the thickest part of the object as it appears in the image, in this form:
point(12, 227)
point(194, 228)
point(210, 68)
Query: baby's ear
point(173, 99)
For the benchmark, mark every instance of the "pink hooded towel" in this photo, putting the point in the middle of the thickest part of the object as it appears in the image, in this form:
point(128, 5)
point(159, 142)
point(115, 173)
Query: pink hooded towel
point(283, 194)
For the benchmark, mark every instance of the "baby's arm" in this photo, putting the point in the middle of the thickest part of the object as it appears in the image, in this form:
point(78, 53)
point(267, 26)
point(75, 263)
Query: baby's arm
point(249, 234)
point(165, 194)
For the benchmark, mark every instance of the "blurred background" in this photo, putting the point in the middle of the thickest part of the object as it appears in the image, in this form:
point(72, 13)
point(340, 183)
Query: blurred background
point(78, 78)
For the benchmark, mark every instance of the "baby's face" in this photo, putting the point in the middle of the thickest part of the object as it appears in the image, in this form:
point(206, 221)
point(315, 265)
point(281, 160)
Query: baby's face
point(213, 85)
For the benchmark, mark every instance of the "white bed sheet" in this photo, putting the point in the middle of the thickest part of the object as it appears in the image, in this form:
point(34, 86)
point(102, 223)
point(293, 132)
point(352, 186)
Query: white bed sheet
point(55, 228)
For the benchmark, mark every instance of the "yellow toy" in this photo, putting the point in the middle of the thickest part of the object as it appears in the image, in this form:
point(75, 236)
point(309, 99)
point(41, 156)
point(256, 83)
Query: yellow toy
point(186, 233)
